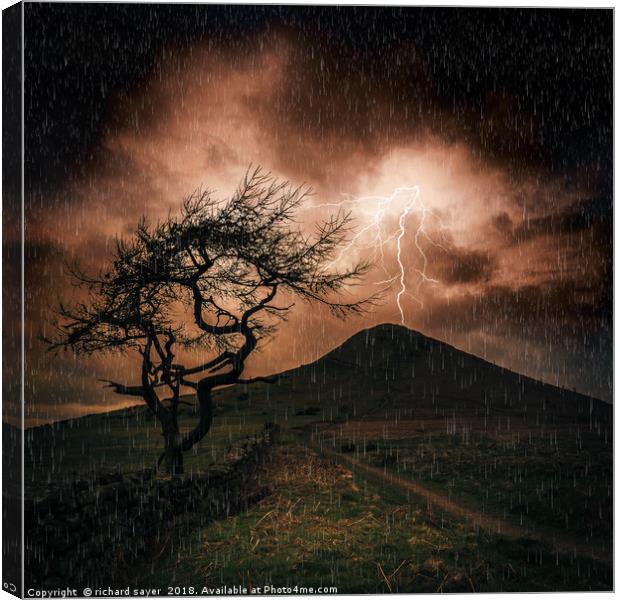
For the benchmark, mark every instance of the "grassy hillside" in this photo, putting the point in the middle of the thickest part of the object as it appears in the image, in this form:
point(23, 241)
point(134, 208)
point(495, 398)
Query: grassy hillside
point(388, 373)
point(395, 372)
point(492, 440)
point(324, 526)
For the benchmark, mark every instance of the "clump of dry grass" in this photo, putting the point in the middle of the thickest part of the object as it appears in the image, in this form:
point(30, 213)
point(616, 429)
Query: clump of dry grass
point(304, 517)
point(301, 466)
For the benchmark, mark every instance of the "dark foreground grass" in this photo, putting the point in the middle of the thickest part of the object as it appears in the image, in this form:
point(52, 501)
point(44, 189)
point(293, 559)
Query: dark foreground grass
point(321, 526)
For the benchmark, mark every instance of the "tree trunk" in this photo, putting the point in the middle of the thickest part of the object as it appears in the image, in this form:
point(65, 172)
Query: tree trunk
point(173, 454)
point(204, 420)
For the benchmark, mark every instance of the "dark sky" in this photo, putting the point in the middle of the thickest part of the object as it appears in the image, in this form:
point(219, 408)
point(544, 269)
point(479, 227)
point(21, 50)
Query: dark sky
point(502, 116)
point(552, 65)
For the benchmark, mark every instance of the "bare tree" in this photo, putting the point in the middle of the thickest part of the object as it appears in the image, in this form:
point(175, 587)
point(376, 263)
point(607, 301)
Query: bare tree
point(217, 278)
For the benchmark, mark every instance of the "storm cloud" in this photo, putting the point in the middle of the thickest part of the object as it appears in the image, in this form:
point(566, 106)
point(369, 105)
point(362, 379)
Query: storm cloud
point(501, 118)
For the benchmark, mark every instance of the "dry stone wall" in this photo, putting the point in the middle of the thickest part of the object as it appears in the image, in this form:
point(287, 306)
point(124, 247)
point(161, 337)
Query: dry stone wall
point(91, 531)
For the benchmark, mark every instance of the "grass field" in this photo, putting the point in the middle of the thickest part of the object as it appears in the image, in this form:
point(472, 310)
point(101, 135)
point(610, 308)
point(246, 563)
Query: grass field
point(322, 526)
point(554, 479)
point(130, 440)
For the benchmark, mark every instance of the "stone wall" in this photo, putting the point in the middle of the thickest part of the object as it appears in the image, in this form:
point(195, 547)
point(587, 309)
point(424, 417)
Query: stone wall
point(89, 532)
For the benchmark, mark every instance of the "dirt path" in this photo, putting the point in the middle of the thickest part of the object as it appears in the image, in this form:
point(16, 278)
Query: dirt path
point(563, 543)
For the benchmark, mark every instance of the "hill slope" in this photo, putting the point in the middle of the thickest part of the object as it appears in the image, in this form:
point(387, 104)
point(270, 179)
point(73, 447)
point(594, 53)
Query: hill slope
point(395, 368)
point(385, 374)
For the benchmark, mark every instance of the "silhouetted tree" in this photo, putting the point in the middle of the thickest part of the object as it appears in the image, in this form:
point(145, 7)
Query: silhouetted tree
point(217, 278)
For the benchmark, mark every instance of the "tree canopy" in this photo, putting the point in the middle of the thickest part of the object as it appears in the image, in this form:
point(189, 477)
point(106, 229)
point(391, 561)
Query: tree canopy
point(219, 277)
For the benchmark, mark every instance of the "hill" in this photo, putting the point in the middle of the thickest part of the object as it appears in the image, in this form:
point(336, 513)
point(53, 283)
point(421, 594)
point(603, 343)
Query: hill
point(405, 373)
point(402, 418)
point(386, 373)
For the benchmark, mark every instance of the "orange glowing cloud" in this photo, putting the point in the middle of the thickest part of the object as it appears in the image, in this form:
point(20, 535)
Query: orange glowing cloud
point(207, 113)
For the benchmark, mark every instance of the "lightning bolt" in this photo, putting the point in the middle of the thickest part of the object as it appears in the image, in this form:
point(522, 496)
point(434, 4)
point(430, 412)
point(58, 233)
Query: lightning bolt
point(401, 234)
point(381, 207)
